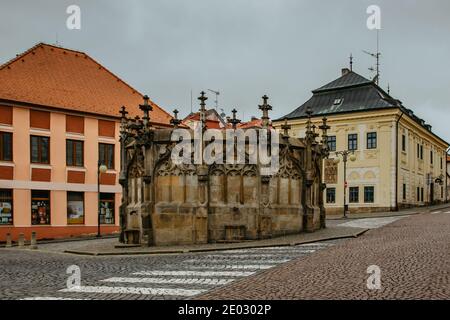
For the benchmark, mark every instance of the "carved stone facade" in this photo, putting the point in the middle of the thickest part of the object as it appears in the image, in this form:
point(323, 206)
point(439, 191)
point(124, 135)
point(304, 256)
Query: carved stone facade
point(166, 203)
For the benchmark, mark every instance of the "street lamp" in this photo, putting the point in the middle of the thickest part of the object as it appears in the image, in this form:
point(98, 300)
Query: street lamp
point(101, 168)
point(347, 154)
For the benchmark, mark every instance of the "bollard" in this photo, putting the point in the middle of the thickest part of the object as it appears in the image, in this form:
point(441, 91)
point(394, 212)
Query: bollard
point(33, 242)
point(8, 240)
point(21, 240)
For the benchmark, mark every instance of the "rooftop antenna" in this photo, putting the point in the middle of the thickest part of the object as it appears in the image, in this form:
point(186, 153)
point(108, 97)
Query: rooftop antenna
point(376, 55)
point(191, 100)
point(216, 102)
point(389, 89)
point(351, 62)
point(57, 42)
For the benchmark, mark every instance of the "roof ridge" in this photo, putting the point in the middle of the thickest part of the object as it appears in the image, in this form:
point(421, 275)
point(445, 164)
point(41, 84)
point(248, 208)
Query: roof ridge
point(334, 84)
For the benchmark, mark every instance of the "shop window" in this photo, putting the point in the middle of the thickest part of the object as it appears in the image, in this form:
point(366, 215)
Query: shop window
point(107, 208)
point(40, 207)
point(6, 207)
point(75, 208)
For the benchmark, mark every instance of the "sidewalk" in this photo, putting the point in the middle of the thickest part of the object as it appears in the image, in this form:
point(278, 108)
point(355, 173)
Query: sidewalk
point(404, 212)
point(108, 247)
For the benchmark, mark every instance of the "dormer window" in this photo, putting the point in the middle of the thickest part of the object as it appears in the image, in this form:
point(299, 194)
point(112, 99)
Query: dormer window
point(337, 102)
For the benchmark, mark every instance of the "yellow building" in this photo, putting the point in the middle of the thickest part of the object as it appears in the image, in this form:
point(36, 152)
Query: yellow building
point(398, 160)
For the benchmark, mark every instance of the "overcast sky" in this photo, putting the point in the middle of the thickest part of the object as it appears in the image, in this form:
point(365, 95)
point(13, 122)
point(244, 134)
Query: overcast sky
point(247, 48)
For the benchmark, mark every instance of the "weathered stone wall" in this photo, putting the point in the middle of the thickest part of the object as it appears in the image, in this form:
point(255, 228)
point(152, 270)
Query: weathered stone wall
point(167, 204)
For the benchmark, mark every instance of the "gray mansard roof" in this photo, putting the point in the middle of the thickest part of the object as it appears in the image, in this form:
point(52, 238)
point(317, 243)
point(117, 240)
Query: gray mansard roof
point(351, 92)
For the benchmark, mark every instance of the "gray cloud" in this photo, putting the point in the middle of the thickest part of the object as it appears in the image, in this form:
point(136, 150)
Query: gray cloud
point(248, 48)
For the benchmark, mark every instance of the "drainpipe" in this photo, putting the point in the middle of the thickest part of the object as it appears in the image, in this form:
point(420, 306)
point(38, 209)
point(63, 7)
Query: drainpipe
point(396, 161)
point(445, 163)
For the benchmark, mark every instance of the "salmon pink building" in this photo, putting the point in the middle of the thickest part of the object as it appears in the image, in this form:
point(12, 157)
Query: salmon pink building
point(58, 121)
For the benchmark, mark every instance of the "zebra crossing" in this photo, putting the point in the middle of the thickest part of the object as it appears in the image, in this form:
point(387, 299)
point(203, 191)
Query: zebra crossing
point(195, 275)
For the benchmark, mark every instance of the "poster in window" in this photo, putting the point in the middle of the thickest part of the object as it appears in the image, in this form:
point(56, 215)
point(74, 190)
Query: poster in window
point(40, 212)
point(75, 212)
point(5, 213)
point(107, 212)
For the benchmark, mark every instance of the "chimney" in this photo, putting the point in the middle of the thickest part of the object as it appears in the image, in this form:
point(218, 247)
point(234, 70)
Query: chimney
point(345, 71)
point(254, 118)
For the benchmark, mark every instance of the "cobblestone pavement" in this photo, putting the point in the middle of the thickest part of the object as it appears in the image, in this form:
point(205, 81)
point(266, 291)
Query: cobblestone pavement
point(412, 253)
point(28, 274)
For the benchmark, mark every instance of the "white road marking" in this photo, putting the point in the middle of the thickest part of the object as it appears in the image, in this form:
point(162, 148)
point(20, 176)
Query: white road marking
point(195, 273)
point(208, 281)
point(370, 223)
point(253, 261)
point(435, 212)
point(135, 290)
point(234, 266)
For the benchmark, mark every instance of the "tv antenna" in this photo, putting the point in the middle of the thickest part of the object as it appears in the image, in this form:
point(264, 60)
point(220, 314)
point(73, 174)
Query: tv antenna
point(375, 55)
point(216, 102)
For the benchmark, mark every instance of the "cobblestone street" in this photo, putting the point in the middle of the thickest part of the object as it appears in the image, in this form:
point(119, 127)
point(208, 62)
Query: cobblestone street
point(412, 252)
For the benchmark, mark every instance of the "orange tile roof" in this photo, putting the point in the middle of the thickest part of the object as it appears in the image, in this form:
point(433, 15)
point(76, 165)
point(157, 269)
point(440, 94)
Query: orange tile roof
point(67, 79)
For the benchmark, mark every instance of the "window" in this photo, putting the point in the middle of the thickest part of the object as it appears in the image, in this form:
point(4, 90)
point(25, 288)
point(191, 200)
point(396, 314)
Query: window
point(441, 162)
point(369, 194)
point(106, 154)
point(371, 140)
point(107, 208)
point(5, 146)
point(74, 153)
point(40, 149)
point(421, 152)
point(442, 192)
point(403, 143)
point(40, 207)
point(421, 194)
point(337, 102)
point(6, 207)
point(431, 156)
point(354, 194)
point(75, 207)
point(331, 195)
point(418, 194)
point(331, 143)
point(404, 191)
point(353, 141)
point(418, 151)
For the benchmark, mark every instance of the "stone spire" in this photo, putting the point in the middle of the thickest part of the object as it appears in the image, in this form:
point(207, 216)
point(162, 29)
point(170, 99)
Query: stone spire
point(202, 99)
point(265, 107)
point(175, 121)
point(286, 127)
point(234, 121)
point(146, 108)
